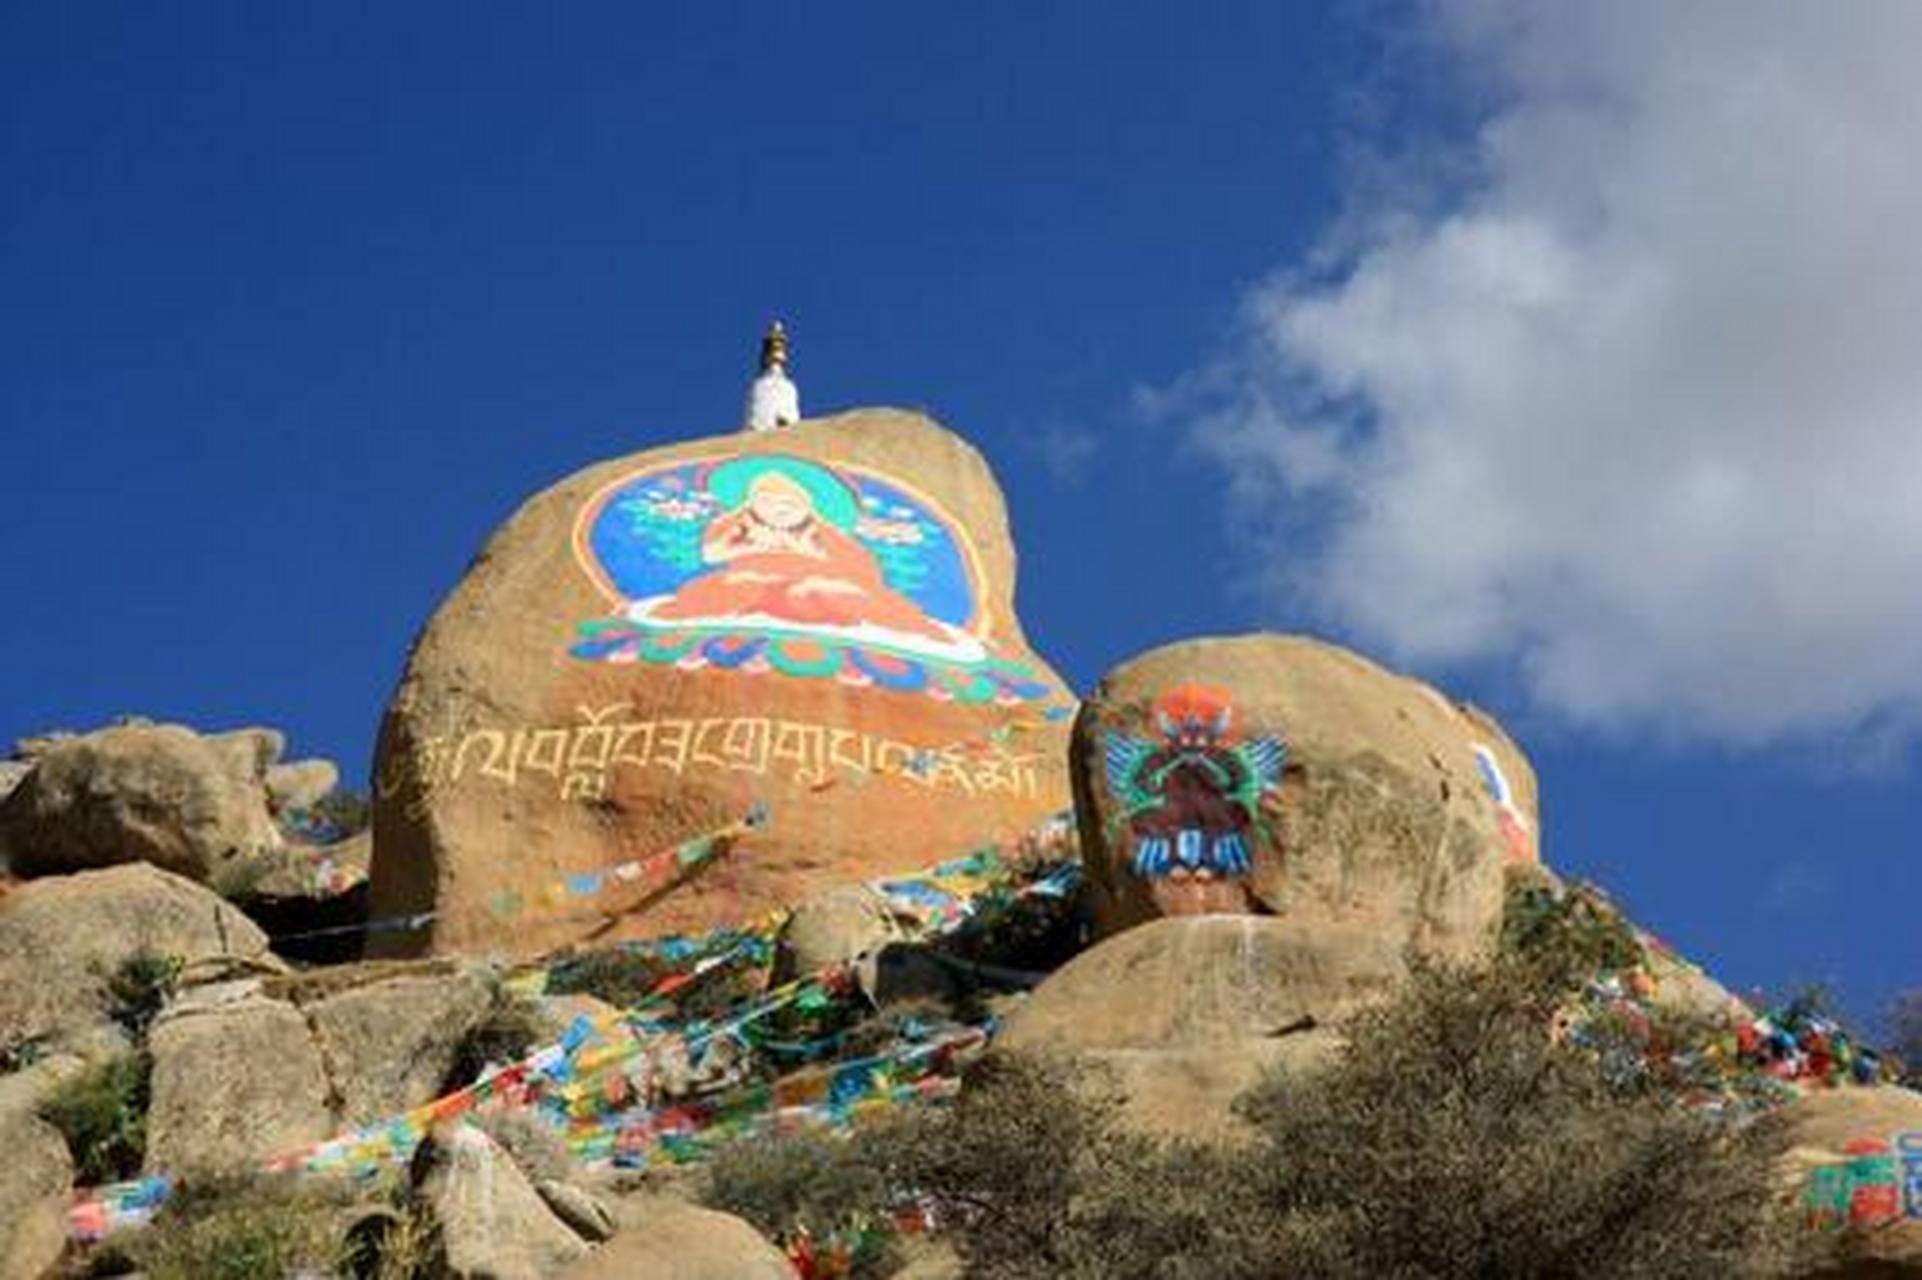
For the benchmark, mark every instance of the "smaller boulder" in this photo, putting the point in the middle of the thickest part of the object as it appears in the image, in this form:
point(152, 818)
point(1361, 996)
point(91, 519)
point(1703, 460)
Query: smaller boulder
point(533, 1144)
point(664, 1238)
point(493, 1223)
point(64, 938)
point(135, 793)
point(12, 774)
point(300, 784)
point(35, 1181)
point(1182, 1015)
point(848, 925)
point(581, 1210)
point(35, 745)
point(251, 752)
point(301, 873)
point(391, 1043)
point(234, 1083)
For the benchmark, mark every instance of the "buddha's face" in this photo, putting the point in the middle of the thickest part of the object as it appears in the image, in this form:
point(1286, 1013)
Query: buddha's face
point(779, 502)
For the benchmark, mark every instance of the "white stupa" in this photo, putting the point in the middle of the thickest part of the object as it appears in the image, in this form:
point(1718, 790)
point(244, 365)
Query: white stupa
point(773, 402)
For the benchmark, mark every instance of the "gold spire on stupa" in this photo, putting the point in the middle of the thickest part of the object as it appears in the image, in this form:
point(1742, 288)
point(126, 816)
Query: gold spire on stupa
point(774, 348)
point(772, 400)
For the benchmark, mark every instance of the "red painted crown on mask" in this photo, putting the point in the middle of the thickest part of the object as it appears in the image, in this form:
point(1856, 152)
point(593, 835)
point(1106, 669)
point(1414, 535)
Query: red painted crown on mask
point(1194, 714)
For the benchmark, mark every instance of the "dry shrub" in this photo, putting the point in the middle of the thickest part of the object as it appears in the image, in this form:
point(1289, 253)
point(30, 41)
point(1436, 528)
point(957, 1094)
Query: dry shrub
point(243, 1228)
point(1028, 1176)
point(1455, 1138)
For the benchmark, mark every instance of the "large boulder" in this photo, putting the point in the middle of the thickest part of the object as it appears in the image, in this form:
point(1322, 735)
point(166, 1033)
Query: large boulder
point(1182, 1015)
point(818, 620)
point(234, 1083)
point(664, 1238)
point(137, 793)
point(1284, 776)
point(493, 1224)
point(62, 940)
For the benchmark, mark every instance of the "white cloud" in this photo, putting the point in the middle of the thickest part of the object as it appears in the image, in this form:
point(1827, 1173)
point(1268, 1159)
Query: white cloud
point(1638, 405)
point(1066, 451)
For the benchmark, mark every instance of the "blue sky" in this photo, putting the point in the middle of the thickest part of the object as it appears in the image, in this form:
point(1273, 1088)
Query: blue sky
point(1325, 318)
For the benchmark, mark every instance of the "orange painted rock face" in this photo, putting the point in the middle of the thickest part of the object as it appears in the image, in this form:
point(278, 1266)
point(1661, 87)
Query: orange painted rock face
point(685, 687)
point(1277, 775)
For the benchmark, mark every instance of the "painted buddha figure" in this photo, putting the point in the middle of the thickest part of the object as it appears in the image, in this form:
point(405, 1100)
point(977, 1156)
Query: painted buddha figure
point(783, 552)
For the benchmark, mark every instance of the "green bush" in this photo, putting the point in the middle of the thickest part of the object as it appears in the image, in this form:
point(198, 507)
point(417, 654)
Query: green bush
point(102, 1113)
point(1565, 936)
point(140, 988)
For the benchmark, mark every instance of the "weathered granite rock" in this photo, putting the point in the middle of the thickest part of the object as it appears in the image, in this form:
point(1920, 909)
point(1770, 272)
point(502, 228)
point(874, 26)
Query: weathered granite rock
point(663, 1238)
point(929, 1258)
point(390, 1044)
point(135, 793)
point(250, 752)
point(12, 774)
point(300, 784)
point(584, 1212)
point(35, 1179)
point(35, 745)
point(233, 1084)
point(299, 871)
point(1280, 775)
point(63, 938)
point(819, 620)
point(848, 925)
point(493, 1223)
point(530, 1142)
point(1183, 1014)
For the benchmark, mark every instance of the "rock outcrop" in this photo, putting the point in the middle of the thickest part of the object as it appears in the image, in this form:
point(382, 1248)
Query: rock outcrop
point(64, 938)
point(248, 1069)
point(139, 793)
point(1182, 1015)
point(493, 1224)
point(234, 1083)
point(35, 1179)
point(392, 1042)
point(819, 621)
point(1284, 776)
point(663, 1238)
point(299, 784)
point(12, 774)
point(848, 925)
